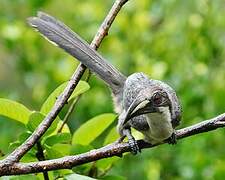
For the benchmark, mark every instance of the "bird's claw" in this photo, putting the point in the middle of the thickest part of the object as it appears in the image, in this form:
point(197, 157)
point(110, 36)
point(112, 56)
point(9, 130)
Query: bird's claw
point(134, 146)
point(126, 132)
point(172, 139)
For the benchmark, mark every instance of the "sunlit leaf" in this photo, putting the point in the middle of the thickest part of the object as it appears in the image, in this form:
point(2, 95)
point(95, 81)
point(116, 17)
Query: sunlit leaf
point(14, 110)
point(22, 177)
point(14, 145)
point(24, 136)
point(51, 175)
point(52, 153)
point(107, 163)
point(48, 104)
point(112, 136)
point(90, 130)
point(63, 148)
point(77, 177)
point(58, 138)
point(36, 118)
point(29, 157)
point(137, 135)
point(57, 150)
point(65, 128)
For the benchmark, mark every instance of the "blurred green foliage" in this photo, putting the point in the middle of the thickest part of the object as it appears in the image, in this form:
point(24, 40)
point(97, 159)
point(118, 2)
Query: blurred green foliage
point(180, 42)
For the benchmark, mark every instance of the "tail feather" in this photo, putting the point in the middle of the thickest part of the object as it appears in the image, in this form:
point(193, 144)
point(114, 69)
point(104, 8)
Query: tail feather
point(62, 36)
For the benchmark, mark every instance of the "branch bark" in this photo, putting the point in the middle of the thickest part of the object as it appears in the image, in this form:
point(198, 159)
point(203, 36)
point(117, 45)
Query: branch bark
point(114, 149)
point(18, 153)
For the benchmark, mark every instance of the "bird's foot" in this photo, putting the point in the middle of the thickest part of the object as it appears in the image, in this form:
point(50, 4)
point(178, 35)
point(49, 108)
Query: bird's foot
point(134, 146)
point(132, 142)
point(172, 139)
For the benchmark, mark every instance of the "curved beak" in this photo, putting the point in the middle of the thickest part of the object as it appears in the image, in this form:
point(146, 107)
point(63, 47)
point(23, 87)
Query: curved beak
point(138, 107)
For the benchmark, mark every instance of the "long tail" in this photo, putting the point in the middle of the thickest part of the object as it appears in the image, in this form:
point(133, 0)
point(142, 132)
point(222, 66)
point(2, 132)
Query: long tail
point(62, 36)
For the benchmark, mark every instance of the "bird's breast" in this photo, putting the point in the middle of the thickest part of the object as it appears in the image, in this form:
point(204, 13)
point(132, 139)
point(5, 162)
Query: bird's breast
point(160, 126)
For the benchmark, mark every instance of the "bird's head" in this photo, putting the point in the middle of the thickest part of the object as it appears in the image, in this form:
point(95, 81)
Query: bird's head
point(155, 100)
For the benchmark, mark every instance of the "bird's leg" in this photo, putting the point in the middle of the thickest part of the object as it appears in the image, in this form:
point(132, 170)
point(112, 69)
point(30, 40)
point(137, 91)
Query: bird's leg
point(132, 142)
point(124, 131)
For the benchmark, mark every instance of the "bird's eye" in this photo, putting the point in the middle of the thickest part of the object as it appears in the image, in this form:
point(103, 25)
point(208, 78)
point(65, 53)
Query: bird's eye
point(157, 98)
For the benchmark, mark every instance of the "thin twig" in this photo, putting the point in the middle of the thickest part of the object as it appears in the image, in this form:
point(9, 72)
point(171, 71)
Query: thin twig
point(93, 170)
point(114, 149)
point(73, 105)
point(41, 157)
point(69, 112)
point(18, 153)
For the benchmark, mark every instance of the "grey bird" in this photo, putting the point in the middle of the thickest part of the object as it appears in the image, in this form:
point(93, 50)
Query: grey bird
point(147, 105)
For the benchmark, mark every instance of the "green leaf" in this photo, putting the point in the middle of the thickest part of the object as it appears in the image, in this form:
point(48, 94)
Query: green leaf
point(64, 149)
point(52, 153)
point(90, 130)
point(65, 128)
point(36, 118)
point(24, 136)
point(114, 177)
point(14, 110)
point(48, 104)
point(61, 173)
point(21, 177)
point(112, 136)
point(77, 177)
point(107, 163)
point(29, 157)
point(137, 134)
point(51, 176)
point(78, 149)
point(14, 145)
point(83, 169)
point(58, 138)
point(31, 154)
point(58, 150)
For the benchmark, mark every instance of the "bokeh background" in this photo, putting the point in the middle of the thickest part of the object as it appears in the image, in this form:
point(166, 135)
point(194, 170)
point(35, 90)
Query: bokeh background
point(180, 42)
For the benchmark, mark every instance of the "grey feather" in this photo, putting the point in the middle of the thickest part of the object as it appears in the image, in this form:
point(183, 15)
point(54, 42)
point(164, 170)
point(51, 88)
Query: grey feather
point(61, 35)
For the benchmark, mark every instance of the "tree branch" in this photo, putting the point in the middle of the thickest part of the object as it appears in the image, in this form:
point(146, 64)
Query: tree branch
point(114, 149)
point(18, 153)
